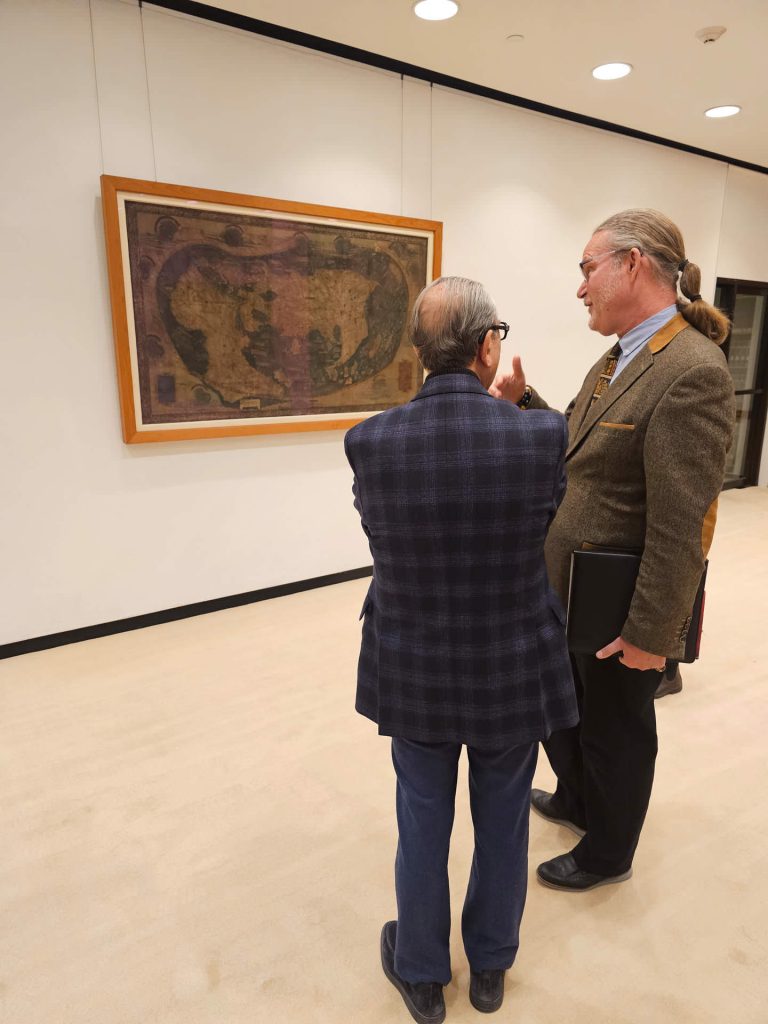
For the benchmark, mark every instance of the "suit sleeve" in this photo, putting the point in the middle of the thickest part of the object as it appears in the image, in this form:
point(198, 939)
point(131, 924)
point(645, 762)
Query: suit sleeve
point(560, 478)
point(684, 453)
point(355, 484)
point(537, 402)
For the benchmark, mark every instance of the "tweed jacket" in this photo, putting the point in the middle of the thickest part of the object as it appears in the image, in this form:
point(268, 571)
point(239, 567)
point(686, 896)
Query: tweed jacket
point(645, 466)
point(463, 639)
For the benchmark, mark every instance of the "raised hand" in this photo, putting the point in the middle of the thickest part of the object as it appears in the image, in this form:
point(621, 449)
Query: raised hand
point(509, 386)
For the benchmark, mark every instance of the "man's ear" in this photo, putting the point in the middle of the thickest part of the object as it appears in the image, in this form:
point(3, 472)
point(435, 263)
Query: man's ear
point(484, 352)
point(635, 255)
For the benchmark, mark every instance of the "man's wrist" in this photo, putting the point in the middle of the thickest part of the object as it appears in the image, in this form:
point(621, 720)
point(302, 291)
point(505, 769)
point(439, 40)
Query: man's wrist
point(525, 401)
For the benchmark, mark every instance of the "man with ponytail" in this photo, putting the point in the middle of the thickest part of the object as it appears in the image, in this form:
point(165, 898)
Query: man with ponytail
point(648, 436)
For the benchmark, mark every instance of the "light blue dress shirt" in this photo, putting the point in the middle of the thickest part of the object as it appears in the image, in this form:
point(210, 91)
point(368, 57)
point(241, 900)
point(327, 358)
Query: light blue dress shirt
point(634, 340)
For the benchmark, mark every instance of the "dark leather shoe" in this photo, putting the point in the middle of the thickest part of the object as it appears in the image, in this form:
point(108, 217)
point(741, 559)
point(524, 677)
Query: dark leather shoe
point(564, 873)
point(424, 999)
point(486, 990)
point(670, 683)
point(544, 805)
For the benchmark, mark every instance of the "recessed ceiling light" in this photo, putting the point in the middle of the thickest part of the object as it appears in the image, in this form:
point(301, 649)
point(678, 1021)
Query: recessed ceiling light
point(607, 71)
point(436, 10)
point(722, 111)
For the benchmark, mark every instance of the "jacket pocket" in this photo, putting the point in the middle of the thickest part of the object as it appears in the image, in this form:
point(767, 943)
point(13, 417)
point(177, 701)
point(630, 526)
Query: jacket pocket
point(617, 450)
point(616, 426)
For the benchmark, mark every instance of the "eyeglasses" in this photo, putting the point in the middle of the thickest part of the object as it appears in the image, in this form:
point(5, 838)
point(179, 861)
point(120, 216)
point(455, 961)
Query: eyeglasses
point(593, 259)
point(501, 327)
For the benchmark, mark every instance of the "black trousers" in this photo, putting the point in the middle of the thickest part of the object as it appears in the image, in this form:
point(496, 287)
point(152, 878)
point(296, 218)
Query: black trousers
point(605, 764)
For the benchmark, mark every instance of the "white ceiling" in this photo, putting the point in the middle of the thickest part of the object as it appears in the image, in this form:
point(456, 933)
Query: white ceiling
point(675, 78)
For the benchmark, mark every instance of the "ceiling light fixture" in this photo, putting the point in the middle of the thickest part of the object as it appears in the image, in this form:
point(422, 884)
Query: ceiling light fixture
point(606, 72)
point(435, 10)
point(727, 111)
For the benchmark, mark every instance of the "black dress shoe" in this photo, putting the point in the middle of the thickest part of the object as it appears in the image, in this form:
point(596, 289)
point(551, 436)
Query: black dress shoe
point(424, 999)
point(486, 990)
point(544, 804)
point(671, 682)
point(564, 873)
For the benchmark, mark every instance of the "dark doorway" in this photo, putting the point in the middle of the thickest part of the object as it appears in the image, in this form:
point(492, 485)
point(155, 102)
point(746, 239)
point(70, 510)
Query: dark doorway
point(746, 349)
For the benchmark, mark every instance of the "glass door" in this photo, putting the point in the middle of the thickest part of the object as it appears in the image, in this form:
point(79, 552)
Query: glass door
point(746, 350)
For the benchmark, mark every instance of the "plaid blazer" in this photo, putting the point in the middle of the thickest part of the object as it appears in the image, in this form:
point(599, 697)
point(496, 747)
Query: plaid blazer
point(463, 639)
point(645, 467)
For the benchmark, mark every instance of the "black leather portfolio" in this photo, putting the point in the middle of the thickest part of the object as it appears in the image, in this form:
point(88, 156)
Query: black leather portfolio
point(601, 589)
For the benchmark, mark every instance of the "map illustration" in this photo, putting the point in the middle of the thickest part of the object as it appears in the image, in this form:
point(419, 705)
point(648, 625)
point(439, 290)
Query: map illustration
point(246, 316)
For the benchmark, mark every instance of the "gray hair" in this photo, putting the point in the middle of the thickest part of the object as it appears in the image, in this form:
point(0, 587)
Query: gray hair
point(449, 318)
point(658, 238)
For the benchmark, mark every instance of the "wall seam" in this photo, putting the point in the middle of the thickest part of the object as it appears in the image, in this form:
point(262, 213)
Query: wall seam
point(402, 145)
point(431, 153)
point(96, 84)
point(722, 220)
point(149, 97)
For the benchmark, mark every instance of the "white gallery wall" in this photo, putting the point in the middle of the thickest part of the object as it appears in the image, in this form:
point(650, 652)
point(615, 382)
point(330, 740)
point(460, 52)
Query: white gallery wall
point(95, 530)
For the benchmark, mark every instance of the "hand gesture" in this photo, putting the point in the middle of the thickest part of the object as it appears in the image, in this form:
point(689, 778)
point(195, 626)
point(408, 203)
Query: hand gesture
point(509, 385)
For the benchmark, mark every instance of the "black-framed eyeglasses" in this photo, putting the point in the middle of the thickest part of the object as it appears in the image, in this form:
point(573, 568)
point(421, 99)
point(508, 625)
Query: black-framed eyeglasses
point(502, 327)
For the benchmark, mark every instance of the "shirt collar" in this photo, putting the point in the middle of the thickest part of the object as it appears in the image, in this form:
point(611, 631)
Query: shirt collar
point(637, 337)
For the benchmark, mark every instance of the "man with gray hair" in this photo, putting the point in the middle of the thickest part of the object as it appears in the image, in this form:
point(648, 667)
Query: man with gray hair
point(463, 640)
point(649, 432)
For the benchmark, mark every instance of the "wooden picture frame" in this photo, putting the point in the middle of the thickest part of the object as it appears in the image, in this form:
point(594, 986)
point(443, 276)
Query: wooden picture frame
point(235, 314)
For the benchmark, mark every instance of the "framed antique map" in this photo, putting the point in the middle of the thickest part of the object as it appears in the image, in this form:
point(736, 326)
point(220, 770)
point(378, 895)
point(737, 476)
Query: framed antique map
point(235, 314)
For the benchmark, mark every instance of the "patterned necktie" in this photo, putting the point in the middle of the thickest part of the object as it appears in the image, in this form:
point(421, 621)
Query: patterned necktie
point(606, 373)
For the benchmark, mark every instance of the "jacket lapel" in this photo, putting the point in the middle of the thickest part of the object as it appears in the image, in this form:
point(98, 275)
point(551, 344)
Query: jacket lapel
point(626, 379)
point(632, 373)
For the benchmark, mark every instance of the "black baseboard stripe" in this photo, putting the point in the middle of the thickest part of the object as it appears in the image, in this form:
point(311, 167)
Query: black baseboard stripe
point(376, 60)
point(74, 636)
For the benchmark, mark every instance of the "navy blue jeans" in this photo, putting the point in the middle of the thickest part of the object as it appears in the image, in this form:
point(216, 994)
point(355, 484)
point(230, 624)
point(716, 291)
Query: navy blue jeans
point(499, 791)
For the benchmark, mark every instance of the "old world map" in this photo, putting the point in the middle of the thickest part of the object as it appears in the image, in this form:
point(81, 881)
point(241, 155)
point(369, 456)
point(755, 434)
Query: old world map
point(246, 316)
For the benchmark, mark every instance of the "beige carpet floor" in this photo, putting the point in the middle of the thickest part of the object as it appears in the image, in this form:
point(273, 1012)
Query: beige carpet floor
point(196, 828)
